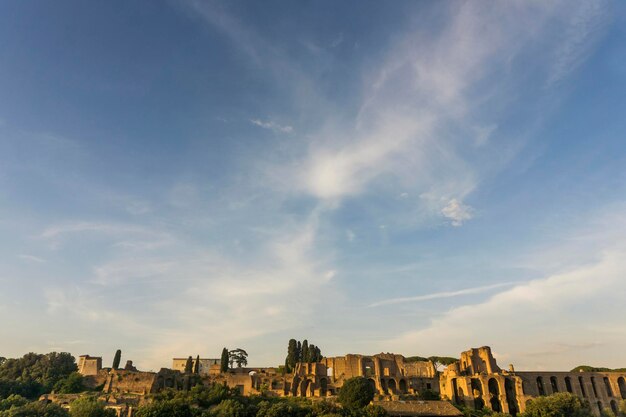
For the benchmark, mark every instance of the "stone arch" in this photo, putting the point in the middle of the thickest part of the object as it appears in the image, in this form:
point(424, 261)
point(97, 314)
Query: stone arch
point(511, 396)
point(600, 408)
point(402, 386)
point(369, 368)
point(372, 384)
point(593, 386)
point(295, 385)
point(169, 383)
point(614, 407)
point(568, 384)
point(455, 388)
point(304, 385)
point(461, 395)
point(607, 387)
point(540, 387)
point(383, 385)
point(391, 384)
point(621, 383)
point(554, 385)
point(494, 394)
point(581, 382)
point(477, 391)
point(323, 387)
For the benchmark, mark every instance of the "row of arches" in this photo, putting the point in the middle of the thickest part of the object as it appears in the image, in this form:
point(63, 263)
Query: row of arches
point(580, 382)
point(491, 393)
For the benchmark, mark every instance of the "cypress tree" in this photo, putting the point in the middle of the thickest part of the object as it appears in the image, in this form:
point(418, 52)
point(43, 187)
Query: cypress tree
point(196, 366)
point(224, 360)
point(117, 359)
point(306, 357)
point(189, 365)
point(292, 357)
point(299, 352)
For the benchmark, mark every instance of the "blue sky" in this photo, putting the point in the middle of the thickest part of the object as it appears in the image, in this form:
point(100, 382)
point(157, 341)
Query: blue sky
point(418, 177)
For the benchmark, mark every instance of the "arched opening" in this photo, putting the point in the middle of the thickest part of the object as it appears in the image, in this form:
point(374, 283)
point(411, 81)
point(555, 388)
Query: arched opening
point(593, 385)
point(511, 397)
point(554, 385)
point(160, 382)
point(461, 396)
point(169, 383)
point(600, 407)
point(494, 392)
point(607, 386)
point(455, 388)
point(304, 385)
point(477, 391)
point(582, 386)
point(614, 407)
point(540, 388)
point(372, 384)
point(310, 388)
point(323, 387)
point(383, 385)
point(402, 385)
point(368, 367)
point(294, 386)
point(392, 386)
point(568, 384)
point(621, 383)
point(274, 384)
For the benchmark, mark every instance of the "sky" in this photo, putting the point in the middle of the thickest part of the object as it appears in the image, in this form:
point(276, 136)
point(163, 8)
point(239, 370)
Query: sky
point(410, 177)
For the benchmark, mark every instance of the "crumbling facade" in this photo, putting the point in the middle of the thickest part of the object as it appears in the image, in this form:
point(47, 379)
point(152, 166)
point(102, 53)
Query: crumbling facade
point(476, 381)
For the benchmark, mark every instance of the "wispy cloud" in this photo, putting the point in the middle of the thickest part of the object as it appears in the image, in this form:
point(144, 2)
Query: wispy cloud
point(32, 258)
point(445, 294)
point(271, 125)
point(457, 212)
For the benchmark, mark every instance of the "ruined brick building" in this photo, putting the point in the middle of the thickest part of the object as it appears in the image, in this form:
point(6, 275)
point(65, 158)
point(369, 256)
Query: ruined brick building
point(475, 380)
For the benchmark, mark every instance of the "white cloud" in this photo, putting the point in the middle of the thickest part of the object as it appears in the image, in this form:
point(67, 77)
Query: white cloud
point(32, 258)
point(576, 310)
point(271, 125)
point(444, 294)
point(457, 212)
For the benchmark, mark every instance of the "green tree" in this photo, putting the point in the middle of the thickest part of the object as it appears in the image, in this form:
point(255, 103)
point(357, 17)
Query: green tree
point(292, 355)
point(356, 393)
point(238, 356)
point(117, 359)
point(12, 401)
point(298, 351)
point(374, 411)
point(70, 385)
point(36, 409)
point(189, 365)
point(196, 366)
point(224, 360)
point(622, 408)
point(89, 407)
point(166, 408)
point(229, 408)
point(305, 352)
point(562, 404)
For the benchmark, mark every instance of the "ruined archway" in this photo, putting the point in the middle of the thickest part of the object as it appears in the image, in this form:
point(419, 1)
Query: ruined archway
point(304, 385)
point(511, 396)
point(402, 385)
point(582, 386)
point(372, 384)
point(568, 384)
point(477, 391)
point(494, 393)
point(621, 383)
point(607, 387)
point(540, 387)
point(383, 385)
point(391, 384)
point(554, 385)
point(368, 367)
point(614, 407)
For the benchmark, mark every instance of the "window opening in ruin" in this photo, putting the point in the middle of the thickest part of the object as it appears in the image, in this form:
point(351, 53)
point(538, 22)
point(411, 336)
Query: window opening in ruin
point(555, 387)
point(540, 388)
point(600, 407)
point(614, 407)
point(621, 383)
point(582, 386)
point(495, 395)
point(568, 384)
point(607, 385)
point(511, 397)
point(593, 385)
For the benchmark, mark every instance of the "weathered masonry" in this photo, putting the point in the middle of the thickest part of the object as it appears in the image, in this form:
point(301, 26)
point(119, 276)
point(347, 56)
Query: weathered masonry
point(477, 382)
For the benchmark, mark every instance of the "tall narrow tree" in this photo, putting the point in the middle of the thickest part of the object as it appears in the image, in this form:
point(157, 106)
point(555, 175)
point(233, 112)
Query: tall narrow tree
point(299, 352)
point(292, 358)
point(306, 358)
point(116, 359)
point(196, 366)
point(189, 365)
point(224, 360)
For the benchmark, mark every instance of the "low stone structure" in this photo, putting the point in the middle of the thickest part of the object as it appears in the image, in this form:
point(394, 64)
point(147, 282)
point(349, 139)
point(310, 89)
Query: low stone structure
point(476, 381)
point(178, 364)
point(419, 408)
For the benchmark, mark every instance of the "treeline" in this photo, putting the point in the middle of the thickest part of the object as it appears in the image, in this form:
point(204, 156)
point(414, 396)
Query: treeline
point(301, 352)
point(586, 368)
point(35, 374)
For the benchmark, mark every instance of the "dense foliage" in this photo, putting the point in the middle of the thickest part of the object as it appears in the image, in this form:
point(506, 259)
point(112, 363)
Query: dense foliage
point(562, 404)
point(356, 393)
point(34, 374)
point(301, 352)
